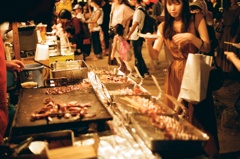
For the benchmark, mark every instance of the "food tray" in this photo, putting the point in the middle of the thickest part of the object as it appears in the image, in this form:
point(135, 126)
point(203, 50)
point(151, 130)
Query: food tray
point(134, 104)
point(155, 138)
point(114, 79)
point(128, 90)
point(72, 70)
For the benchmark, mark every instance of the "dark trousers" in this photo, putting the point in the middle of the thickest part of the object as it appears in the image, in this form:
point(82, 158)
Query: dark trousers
point(139, 61)
point(106, 38)
point(97, 49)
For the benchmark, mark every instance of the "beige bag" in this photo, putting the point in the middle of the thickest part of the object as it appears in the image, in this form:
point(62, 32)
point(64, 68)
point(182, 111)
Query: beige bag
point(195, 78)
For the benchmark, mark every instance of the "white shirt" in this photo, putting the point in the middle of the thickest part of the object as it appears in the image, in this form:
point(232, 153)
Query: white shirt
point(120, 13)
point(139, 17)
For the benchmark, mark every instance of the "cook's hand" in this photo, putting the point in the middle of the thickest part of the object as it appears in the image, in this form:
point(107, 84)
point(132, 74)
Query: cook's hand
point(15, 65)
point(182, 38)
point(230, 55)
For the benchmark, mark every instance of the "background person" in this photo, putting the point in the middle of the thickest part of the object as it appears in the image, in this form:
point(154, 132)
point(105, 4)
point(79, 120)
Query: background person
point(121, 13)
point(231, 32)
point(79, 12)
point(106, 7)
point(94, 25)
point(137, 42)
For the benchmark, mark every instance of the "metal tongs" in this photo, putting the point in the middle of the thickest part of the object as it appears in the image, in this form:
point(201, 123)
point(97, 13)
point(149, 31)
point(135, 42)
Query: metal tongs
point(138, 73)
point(6, 151)
point(178, 106)
point(159, 88)
point(106, 95)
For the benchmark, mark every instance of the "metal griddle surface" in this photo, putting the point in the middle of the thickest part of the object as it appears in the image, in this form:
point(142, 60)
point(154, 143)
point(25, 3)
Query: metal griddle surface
point(31, 100)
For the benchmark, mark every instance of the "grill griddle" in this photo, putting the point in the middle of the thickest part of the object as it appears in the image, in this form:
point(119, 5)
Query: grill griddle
point(31, 100)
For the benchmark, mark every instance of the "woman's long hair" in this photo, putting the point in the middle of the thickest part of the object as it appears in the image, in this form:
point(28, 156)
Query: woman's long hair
point(168, 30)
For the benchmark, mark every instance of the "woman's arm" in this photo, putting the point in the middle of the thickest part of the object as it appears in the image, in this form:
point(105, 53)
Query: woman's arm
point(154, 49)
point(133, 27)
point(202, 42)
point(126, 28)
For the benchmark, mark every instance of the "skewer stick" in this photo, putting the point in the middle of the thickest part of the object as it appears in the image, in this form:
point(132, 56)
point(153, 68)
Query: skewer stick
point(226, 42)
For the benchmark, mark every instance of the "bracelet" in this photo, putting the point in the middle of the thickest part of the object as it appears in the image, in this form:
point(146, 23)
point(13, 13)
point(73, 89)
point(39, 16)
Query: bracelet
point(201, 45)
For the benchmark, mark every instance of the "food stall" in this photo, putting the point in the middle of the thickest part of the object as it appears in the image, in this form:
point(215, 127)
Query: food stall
point(82, 112)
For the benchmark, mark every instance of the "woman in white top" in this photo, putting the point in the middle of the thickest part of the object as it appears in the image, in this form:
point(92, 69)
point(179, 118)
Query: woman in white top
point(121, 13)
point(94, 27)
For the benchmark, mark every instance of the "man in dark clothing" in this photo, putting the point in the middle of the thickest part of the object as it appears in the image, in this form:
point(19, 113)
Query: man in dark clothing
point(106, 7)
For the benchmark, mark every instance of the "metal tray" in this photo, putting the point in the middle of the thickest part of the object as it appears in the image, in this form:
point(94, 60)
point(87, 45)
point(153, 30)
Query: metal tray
point(72, 70)
point(126, 106)
point(115, 79)
point(155, 138)
point(31, 100)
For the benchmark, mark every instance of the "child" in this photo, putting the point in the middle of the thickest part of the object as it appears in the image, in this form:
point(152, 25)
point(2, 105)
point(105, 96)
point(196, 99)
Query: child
point(121, 45)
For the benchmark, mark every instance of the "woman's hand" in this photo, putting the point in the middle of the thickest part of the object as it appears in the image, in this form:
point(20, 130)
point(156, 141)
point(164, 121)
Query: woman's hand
point(180, 38)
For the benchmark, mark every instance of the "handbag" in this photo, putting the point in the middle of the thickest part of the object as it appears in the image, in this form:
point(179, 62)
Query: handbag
point(216, 77)
point(195, 78)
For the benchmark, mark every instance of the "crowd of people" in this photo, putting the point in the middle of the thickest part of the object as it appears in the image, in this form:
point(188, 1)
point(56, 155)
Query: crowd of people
point(180, 22)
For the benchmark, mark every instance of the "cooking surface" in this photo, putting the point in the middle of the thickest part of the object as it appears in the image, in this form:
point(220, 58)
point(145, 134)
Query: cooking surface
point(31, 100)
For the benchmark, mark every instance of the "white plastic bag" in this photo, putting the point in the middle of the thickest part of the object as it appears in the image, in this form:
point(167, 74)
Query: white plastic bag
point(195, 78)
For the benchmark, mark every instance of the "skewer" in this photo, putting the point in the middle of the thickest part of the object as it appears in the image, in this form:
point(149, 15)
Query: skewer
point(226, 42)
point(237, 45)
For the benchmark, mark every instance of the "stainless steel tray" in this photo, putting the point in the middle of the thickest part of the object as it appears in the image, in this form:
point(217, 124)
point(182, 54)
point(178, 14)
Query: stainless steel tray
point(127, 105)
point(130, 103)
point(158, 141)
point(127, 90)
point(115, 79)
point(72, 70)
